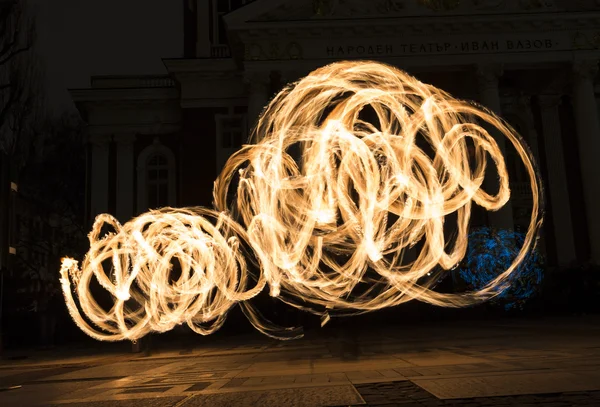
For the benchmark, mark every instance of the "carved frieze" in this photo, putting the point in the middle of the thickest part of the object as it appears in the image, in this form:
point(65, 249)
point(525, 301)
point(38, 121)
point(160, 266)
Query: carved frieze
point(488, 4)
point(392, 6)
point(586, 40)
point(294, 51)
point(350, 8)
point(254, 52)
point(342, 9)
point(536, 4)
point(273, 51)
point(440, 5)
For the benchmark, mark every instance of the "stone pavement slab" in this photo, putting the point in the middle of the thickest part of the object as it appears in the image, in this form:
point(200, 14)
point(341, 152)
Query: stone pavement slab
point(304, 397)
point(374, 376)
point(437, 358)
point(20, 376)
point(148, 402)
point(13, 372)
point(459, 365)
point(510, 384)
point(45, 394)
point(120, 369)
point(407, 394)
point(63, 356)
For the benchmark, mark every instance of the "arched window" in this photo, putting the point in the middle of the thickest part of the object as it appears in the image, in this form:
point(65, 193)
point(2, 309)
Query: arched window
point(156, 183)
point(231, 134)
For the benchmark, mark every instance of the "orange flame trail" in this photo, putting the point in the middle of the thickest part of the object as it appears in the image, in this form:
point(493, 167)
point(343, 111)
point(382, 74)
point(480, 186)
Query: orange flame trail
point(325, 203)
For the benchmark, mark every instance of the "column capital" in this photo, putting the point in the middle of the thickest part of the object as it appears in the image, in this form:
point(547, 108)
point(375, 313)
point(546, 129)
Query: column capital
point(524, 98)
point(549, 101)
point(125, 138)
point(488, 74)
point(100, 140)
point(257, 79)
point(515, 99)
point(585, 69)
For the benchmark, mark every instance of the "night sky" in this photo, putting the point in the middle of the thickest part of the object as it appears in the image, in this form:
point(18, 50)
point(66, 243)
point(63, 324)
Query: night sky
point(78, 39)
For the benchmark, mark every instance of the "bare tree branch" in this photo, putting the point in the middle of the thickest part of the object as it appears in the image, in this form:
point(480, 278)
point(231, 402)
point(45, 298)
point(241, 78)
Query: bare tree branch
point(13, 54)
point(20, 80)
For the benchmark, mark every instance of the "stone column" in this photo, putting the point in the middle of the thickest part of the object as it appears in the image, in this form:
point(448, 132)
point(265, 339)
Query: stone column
point(99, 176)
point(202, 35)
point(524, 102)
point(125, 166)
point(258, 96)
point(288, 76)
point(487, 78)
point(588, 134)
point(557, 180)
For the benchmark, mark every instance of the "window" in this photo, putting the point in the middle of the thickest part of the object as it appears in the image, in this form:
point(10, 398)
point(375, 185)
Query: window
point(225, 6)
point(190, 28)
point(156, 180)
point(232, 132)
point(222, 35)
point(19, 225)
point(231, 135)
point(220, 8)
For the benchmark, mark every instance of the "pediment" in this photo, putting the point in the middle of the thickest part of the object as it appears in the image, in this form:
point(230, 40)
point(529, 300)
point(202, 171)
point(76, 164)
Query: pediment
point(303, 10)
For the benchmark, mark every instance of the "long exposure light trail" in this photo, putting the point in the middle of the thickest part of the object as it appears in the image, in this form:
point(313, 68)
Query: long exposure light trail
point(320, 209)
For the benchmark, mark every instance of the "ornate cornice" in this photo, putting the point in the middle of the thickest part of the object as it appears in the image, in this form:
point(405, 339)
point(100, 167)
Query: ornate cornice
point(274, 10)
point(102, 132)
point(193, 103)
point(112, 104)
point(291, 50)
point(120, 94)
point(207, 66)
point(206, 76)
point(129, 82)
point(420, 25)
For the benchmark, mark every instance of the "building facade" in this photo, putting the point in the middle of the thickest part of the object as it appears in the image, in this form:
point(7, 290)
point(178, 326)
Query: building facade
point(161, 140)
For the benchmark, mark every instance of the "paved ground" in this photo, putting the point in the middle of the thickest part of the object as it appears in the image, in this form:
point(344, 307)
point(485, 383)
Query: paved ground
point(552, 362)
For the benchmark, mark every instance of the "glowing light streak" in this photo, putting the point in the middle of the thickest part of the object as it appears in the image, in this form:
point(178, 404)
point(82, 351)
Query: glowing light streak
point(325, 230)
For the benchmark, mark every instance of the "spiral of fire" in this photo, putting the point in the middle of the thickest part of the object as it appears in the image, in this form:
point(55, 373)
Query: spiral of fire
point(324, 205)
